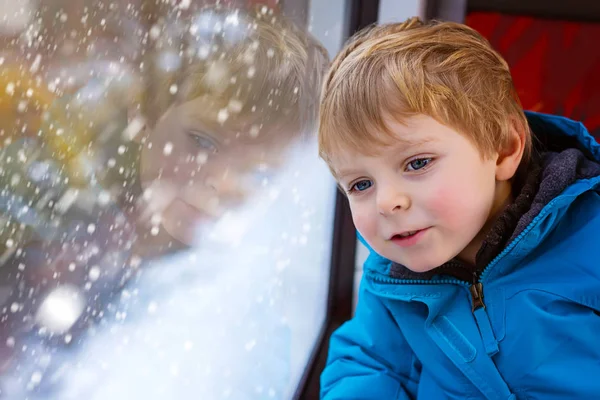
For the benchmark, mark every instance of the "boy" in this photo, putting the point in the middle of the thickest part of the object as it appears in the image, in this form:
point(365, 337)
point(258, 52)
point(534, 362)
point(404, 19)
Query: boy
point(483, 280)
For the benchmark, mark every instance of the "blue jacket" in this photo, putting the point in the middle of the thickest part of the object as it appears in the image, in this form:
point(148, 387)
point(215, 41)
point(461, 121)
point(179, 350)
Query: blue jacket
point(536, 335)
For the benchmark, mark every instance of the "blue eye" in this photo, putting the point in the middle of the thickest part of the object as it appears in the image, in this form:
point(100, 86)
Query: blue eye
point(418, 164)
point(204, 141)
point(361, 186)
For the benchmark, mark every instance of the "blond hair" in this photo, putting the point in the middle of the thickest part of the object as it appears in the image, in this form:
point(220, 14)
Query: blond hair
point(268, 74)
point(444, 70)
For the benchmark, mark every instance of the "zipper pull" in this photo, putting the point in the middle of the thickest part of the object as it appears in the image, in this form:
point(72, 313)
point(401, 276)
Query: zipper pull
point(476, 290)
point(483, 321)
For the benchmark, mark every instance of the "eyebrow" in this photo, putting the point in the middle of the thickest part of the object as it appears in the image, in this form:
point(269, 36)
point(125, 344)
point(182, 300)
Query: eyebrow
point(406, 147)
point(339, 175)
point(409, 144)
point(204, 124)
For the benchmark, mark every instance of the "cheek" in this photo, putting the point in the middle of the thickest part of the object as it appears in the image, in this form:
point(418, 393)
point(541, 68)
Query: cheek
point(179, 168)
point(218, 193)
point(458, 202)
point(445, 204)
point(452, 202)
point(364, 222)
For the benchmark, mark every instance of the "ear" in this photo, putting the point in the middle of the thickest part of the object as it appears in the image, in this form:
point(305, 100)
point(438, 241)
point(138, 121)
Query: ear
point(510, 157)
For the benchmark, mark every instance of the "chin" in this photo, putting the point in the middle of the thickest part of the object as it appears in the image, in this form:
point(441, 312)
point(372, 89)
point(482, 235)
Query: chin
point(182, 237)
point(182, 233)
point(420, 266)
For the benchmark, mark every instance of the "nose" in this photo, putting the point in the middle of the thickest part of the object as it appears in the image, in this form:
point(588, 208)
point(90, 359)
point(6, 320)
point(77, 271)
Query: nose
point(391, 200)
point(229, 191)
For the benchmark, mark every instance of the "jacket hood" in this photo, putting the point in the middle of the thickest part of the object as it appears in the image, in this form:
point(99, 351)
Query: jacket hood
point(555, 134)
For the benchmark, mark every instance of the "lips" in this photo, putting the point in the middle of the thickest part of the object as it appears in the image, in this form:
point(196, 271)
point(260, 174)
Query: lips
point(406, 234)
point(408, 238)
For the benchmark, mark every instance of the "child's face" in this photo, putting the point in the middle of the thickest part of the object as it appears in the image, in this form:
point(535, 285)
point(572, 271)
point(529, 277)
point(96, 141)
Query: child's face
point(196, 170)
point(434, 181)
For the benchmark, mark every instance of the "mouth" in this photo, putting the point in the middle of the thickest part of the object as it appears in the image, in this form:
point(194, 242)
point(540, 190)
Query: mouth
point(181, 220)
point(406, 234)
point(408, 238)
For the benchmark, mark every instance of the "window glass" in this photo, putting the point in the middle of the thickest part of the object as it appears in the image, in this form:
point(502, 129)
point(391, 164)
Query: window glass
point(165, 221)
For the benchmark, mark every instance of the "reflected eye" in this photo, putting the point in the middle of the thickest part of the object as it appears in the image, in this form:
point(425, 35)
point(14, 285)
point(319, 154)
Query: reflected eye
point(204, 141)
point(418, 164)
point(361, 186)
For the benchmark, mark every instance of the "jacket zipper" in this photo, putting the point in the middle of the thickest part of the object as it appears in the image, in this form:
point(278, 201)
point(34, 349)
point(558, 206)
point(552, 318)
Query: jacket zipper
point(476, 287)
point(477, 295)
point(476, 290)
point(490, 343)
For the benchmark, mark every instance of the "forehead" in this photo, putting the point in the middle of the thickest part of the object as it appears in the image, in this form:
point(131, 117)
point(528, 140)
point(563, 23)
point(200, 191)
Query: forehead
point(235, 146)
point(400, 136)
point(209, 114)
point(414, 129)
point(227, 124)
point(405, 139)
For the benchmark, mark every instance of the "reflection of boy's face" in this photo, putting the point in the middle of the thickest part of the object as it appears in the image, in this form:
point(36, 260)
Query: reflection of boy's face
point(192, 170)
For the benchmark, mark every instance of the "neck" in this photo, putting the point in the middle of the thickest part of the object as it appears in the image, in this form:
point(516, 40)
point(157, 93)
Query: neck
point(502, 198)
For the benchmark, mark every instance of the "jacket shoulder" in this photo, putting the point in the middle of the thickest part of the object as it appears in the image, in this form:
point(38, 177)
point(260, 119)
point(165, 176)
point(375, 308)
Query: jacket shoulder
point(567, 262)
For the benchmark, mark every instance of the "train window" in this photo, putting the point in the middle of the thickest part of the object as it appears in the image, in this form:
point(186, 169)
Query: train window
point(165, 221)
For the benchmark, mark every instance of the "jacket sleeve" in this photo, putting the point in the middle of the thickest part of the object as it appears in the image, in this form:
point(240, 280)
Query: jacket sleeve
point(369, 357)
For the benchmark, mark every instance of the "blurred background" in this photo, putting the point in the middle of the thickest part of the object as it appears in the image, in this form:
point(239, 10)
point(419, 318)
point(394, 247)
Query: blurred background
point(166, 228)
